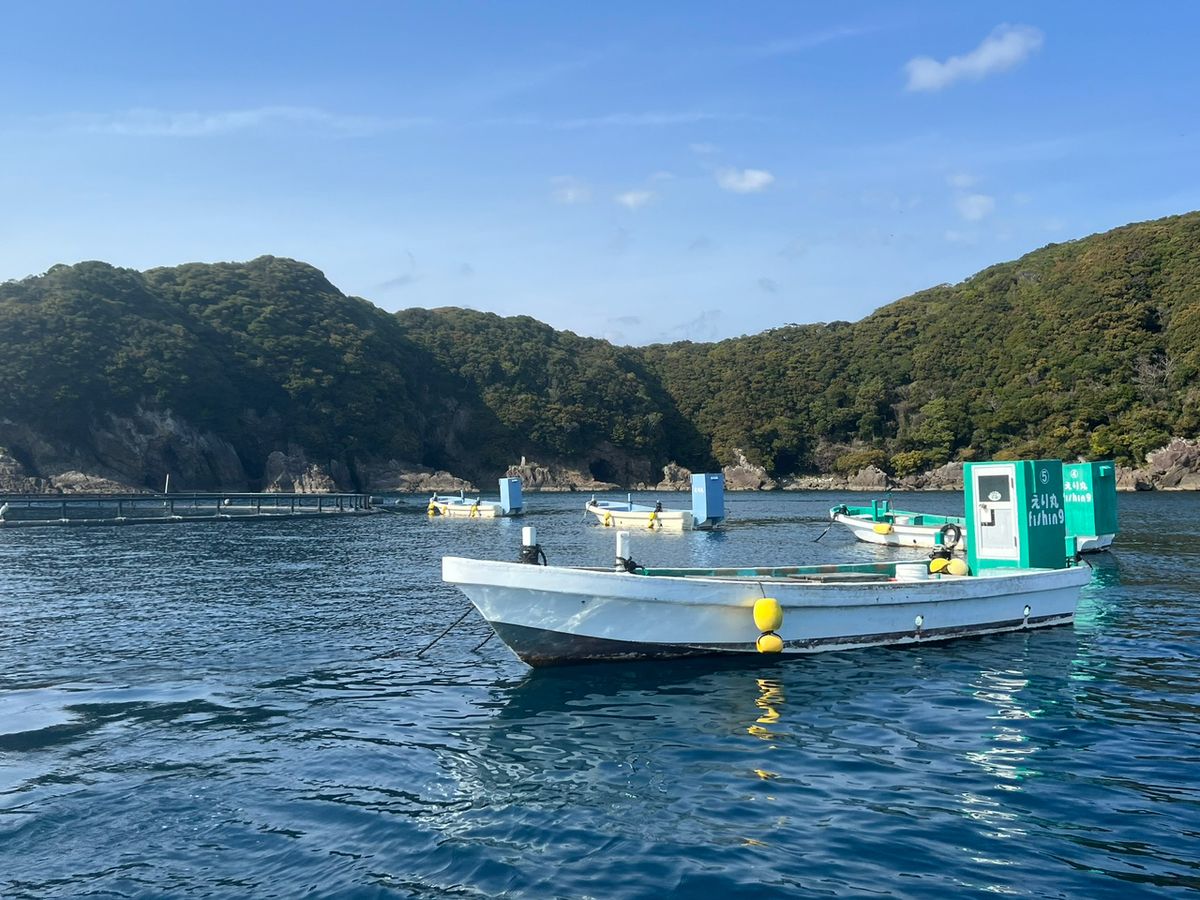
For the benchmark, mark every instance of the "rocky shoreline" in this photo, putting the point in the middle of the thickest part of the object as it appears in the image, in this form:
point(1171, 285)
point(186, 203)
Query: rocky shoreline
point(130, 454)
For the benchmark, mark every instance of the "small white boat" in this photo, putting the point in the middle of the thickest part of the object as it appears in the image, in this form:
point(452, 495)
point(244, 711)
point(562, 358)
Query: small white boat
point(708, 509)
point(1021, 576)
point(464, 507)
point(880, 524)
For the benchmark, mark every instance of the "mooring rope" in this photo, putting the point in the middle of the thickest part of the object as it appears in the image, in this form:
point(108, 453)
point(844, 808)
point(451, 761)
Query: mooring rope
point(449, 628)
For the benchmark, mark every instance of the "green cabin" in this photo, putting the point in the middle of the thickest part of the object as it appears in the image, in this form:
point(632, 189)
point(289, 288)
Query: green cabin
point(1016, 516)
point(1090, 498)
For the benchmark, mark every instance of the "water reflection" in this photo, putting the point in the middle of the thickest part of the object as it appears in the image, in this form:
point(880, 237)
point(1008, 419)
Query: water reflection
point(770, 697)
point(1008, 750)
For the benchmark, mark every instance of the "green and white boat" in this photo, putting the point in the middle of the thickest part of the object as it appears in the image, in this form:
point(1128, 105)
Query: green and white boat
point(879, 523)
point(1020, 574)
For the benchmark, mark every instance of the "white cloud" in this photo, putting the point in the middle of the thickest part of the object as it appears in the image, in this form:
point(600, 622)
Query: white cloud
point(744, 181)
point(961, 180)
point(634, 120)
point(1005, 47)
point(570, 190)
point(974, 207)
point(634, 199)
point(801, 43)
point(164, 123)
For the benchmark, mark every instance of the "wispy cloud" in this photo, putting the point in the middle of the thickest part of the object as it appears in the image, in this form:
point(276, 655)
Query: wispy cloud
point(961, 180)
point(768, 285)
point(974, 207)
point(642, 120)
point(794, 249)
point(704, 327)
point(800, 43)
point(400, 281)
point(744, 181)
point(191, 124)
point(954, 236)
point(570, 190)
point(1005, 47)
point(703, 149)
point(404, 279)
point(634, 199)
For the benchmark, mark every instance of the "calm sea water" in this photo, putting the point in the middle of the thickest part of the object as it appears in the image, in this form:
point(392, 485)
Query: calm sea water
point(243, 710)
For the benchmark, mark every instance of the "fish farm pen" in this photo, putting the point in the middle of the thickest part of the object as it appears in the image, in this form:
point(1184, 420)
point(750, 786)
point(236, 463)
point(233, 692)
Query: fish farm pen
point(32, 510)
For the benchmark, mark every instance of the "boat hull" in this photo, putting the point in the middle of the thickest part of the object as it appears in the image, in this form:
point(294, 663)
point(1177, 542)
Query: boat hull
point(468, 510)
point(552, 615)
point(1093, 543)
point(897, 534)
point(643, 520)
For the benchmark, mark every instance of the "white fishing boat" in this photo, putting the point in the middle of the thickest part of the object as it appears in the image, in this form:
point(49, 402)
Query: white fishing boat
point(464, 507)
point(708, 509)
point(1018, 575)
point(879, 523)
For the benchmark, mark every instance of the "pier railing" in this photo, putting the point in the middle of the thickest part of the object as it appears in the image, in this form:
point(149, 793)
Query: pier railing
point(134, 509)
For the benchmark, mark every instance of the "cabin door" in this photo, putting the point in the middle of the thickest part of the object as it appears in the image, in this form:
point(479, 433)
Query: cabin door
point(995, 534)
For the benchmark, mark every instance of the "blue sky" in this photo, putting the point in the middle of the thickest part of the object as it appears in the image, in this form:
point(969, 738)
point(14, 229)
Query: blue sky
point(639, 172)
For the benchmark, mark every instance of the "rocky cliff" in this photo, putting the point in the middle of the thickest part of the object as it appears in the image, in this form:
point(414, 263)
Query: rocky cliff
point(136, 453)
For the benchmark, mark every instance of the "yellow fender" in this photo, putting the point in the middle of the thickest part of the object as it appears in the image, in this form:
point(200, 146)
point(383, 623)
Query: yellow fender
point(653, 519)
point(883, 528)
point(768, 616)
point(474, 510)
point(608, 520)
point(431, 511)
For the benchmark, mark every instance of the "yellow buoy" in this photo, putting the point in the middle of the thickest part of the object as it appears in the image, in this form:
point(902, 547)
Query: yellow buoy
point(883, 528)
point(653, 519)
point(768, 614)
point(608, 520)
point(938, 564)
point(769, 642)
point(958, 567)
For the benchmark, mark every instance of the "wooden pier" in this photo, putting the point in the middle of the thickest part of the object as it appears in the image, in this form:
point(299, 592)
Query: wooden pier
point(37, 510)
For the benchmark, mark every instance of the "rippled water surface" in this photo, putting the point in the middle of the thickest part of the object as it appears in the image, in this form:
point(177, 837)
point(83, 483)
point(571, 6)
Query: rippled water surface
point(245, 710)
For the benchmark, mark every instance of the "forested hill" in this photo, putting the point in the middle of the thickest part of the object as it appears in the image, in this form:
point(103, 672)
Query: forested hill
point(1087, 348)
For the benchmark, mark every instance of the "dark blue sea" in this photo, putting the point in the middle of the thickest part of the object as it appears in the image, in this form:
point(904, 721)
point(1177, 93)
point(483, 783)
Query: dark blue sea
point(244, 710)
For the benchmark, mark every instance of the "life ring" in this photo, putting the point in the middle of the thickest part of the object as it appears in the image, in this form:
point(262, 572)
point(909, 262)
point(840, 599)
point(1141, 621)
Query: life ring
point(946, 531)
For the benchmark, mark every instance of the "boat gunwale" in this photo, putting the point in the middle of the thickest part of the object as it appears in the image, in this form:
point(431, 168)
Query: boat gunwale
point(952, 585)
